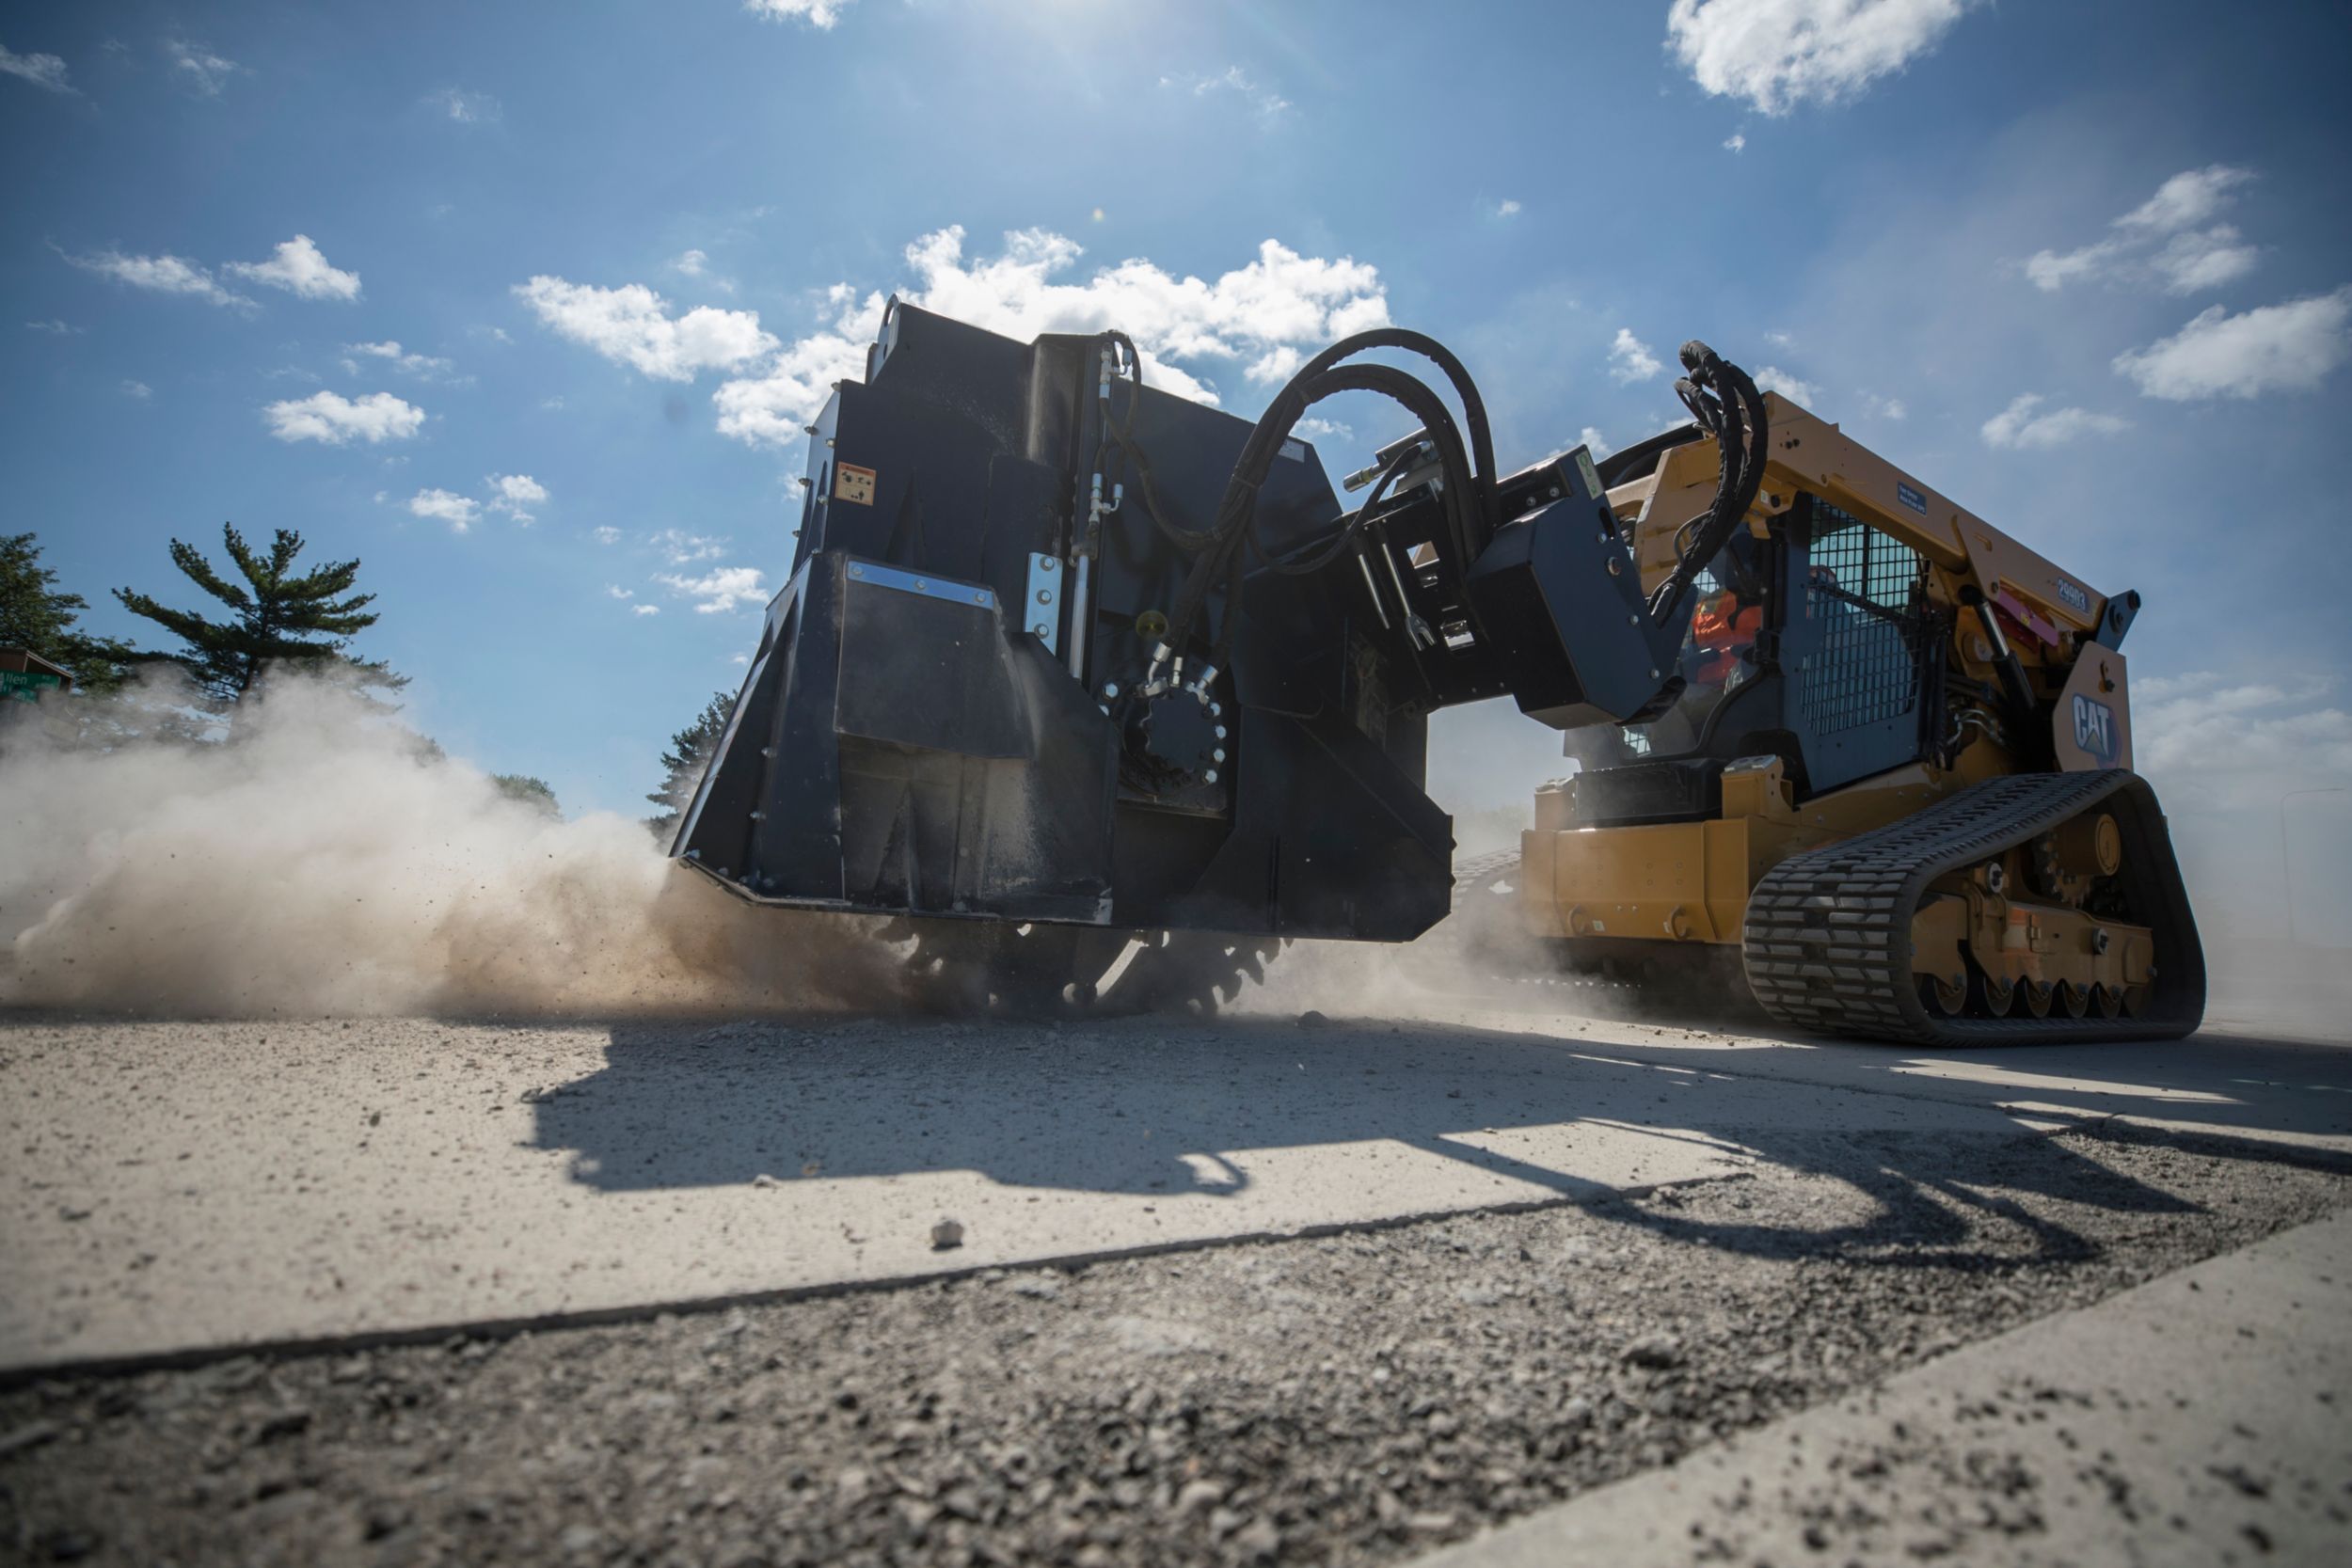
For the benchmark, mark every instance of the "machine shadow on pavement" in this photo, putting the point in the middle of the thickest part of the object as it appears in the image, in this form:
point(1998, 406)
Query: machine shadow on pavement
point(1158, 1107)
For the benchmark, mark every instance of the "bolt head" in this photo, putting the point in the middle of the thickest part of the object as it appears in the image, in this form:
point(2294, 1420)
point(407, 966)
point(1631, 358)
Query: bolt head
point(1210, 775)
point(1110, 689)
point(1218, 754)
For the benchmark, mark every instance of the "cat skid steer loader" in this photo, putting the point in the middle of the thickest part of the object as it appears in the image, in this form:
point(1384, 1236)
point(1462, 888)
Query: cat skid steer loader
point(1101, 696)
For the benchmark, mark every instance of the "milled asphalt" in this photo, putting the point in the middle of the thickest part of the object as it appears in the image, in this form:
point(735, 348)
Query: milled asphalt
point(2203, 1418)
point(187, 1188)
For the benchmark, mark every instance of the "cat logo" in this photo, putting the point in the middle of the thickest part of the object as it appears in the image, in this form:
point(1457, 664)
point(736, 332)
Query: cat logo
point(2094, 728)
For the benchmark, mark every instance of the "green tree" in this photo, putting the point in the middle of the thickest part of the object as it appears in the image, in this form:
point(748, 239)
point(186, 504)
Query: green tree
point(689, 752)
point(304, 620)
point(35, 616)
point(524, 790)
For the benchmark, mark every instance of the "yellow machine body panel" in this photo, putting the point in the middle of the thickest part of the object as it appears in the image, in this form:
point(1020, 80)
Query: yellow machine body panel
point(1689, 881)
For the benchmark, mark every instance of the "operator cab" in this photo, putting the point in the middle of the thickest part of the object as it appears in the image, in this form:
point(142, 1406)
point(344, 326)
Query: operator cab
point(1810, 637)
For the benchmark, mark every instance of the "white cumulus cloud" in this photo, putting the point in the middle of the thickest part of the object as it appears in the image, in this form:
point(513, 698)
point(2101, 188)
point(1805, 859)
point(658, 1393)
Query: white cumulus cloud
point(513, 493)
point(719, 590)
point(1771, 378)
point(1630, 360)
point(632, 325)
point(1593, 441)
point(2189, 198)
point(205, 70)
point(1776, 54)
point(2161, 239)
point(457, 511)
point(2020, 426)
point(466, 108)
point(817, 14)
point(2215, 743)
point(138, 391)
point(42, 71)
point(299, 267)
point(681, 549)
point(332, 418)
point(423, 366)
point(616, 591)
point(1508, 208)
point(692, 263)
point(1268, 103)
point(2274, 348)
point(163, 275)
point(1260, 318)
point(644, 610)
point(607, 534)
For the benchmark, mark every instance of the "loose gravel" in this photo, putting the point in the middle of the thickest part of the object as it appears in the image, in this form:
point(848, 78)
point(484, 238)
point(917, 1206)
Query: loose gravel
point(1353, 1399)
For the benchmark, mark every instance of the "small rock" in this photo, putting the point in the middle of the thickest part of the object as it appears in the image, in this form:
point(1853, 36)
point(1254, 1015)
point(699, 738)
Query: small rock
point(764, 1179)
point(1655, 1350)
point(1430, 1524)
point(31, 1436)
point(1199, 1496)
point(291, 1422)
point(69, 1545)
point(947, 1234)
point(579, 1540)
point(1258, 1540)
point(1312, 1020)
point(1036, 1288)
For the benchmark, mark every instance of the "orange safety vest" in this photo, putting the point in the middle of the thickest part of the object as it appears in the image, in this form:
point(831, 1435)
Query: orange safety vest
point(1722, 633)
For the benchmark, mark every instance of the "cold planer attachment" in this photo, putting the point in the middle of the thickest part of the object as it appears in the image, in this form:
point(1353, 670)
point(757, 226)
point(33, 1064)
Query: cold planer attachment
point(1060, 649)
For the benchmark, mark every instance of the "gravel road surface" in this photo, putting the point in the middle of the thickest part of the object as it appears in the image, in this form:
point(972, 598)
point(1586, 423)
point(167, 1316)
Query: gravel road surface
point(1357, 1397)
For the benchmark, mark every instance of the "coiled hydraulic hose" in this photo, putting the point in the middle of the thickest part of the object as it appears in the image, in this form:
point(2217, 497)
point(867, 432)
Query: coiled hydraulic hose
point(1469, 474)
point(1726, 402)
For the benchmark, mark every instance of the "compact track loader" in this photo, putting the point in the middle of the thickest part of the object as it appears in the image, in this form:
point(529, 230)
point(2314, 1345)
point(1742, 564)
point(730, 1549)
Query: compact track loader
point(1100, 696)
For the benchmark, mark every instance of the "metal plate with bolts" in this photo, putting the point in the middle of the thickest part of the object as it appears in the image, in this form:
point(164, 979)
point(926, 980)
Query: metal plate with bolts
point(1041, 608)
point(929, 587)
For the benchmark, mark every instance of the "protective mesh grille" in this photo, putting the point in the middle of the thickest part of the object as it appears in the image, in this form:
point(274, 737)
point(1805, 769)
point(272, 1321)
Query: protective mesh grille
point(1866, 595)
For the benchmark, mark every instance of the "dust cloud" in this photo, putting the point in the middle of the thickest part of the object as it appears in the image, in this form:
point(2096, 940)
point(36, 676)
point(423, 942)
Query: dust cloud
point(324, 859)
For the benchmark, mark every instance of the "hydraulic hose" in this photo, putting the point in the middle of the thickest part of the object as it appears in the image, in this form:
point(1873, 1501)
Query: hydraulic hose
point(1224, 561)
point(1735, 414)
point(1470, 474)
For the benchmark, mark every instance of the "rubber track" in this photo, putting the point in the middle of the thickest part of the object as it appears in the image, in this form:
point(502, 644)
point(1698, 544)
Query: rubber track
point(1827, 942)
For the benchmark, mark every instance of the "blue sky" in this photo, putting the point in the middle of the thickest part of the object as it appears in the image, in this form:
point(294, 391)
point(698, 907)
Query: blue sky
point(618, 246)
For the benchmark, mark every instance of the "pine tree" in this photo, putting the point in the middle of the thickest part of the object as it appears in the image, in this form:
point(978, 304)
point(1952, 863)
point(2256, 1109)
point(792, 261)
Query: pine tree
point(35, 616)
point(524, 790)
point(689, 752)
point(281, 618)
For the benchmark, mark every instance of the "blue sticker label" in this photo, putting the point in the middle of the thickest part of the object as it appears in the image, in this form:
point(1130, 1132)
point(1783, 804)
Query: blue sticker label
point(1910, 497)
point(2073, 595)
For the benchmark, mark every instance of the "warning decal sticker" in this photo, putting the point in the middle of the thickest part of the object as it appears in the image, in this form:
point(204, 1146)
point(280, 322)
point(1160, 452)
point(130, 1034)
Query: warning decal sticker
point(853, 483)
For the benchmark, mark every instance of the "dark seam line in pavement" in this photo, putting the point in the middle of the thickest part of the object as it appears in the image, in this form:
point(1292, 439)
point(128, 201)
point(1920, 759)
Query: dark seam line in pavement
point(601, 1317)
point(597, 1316)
